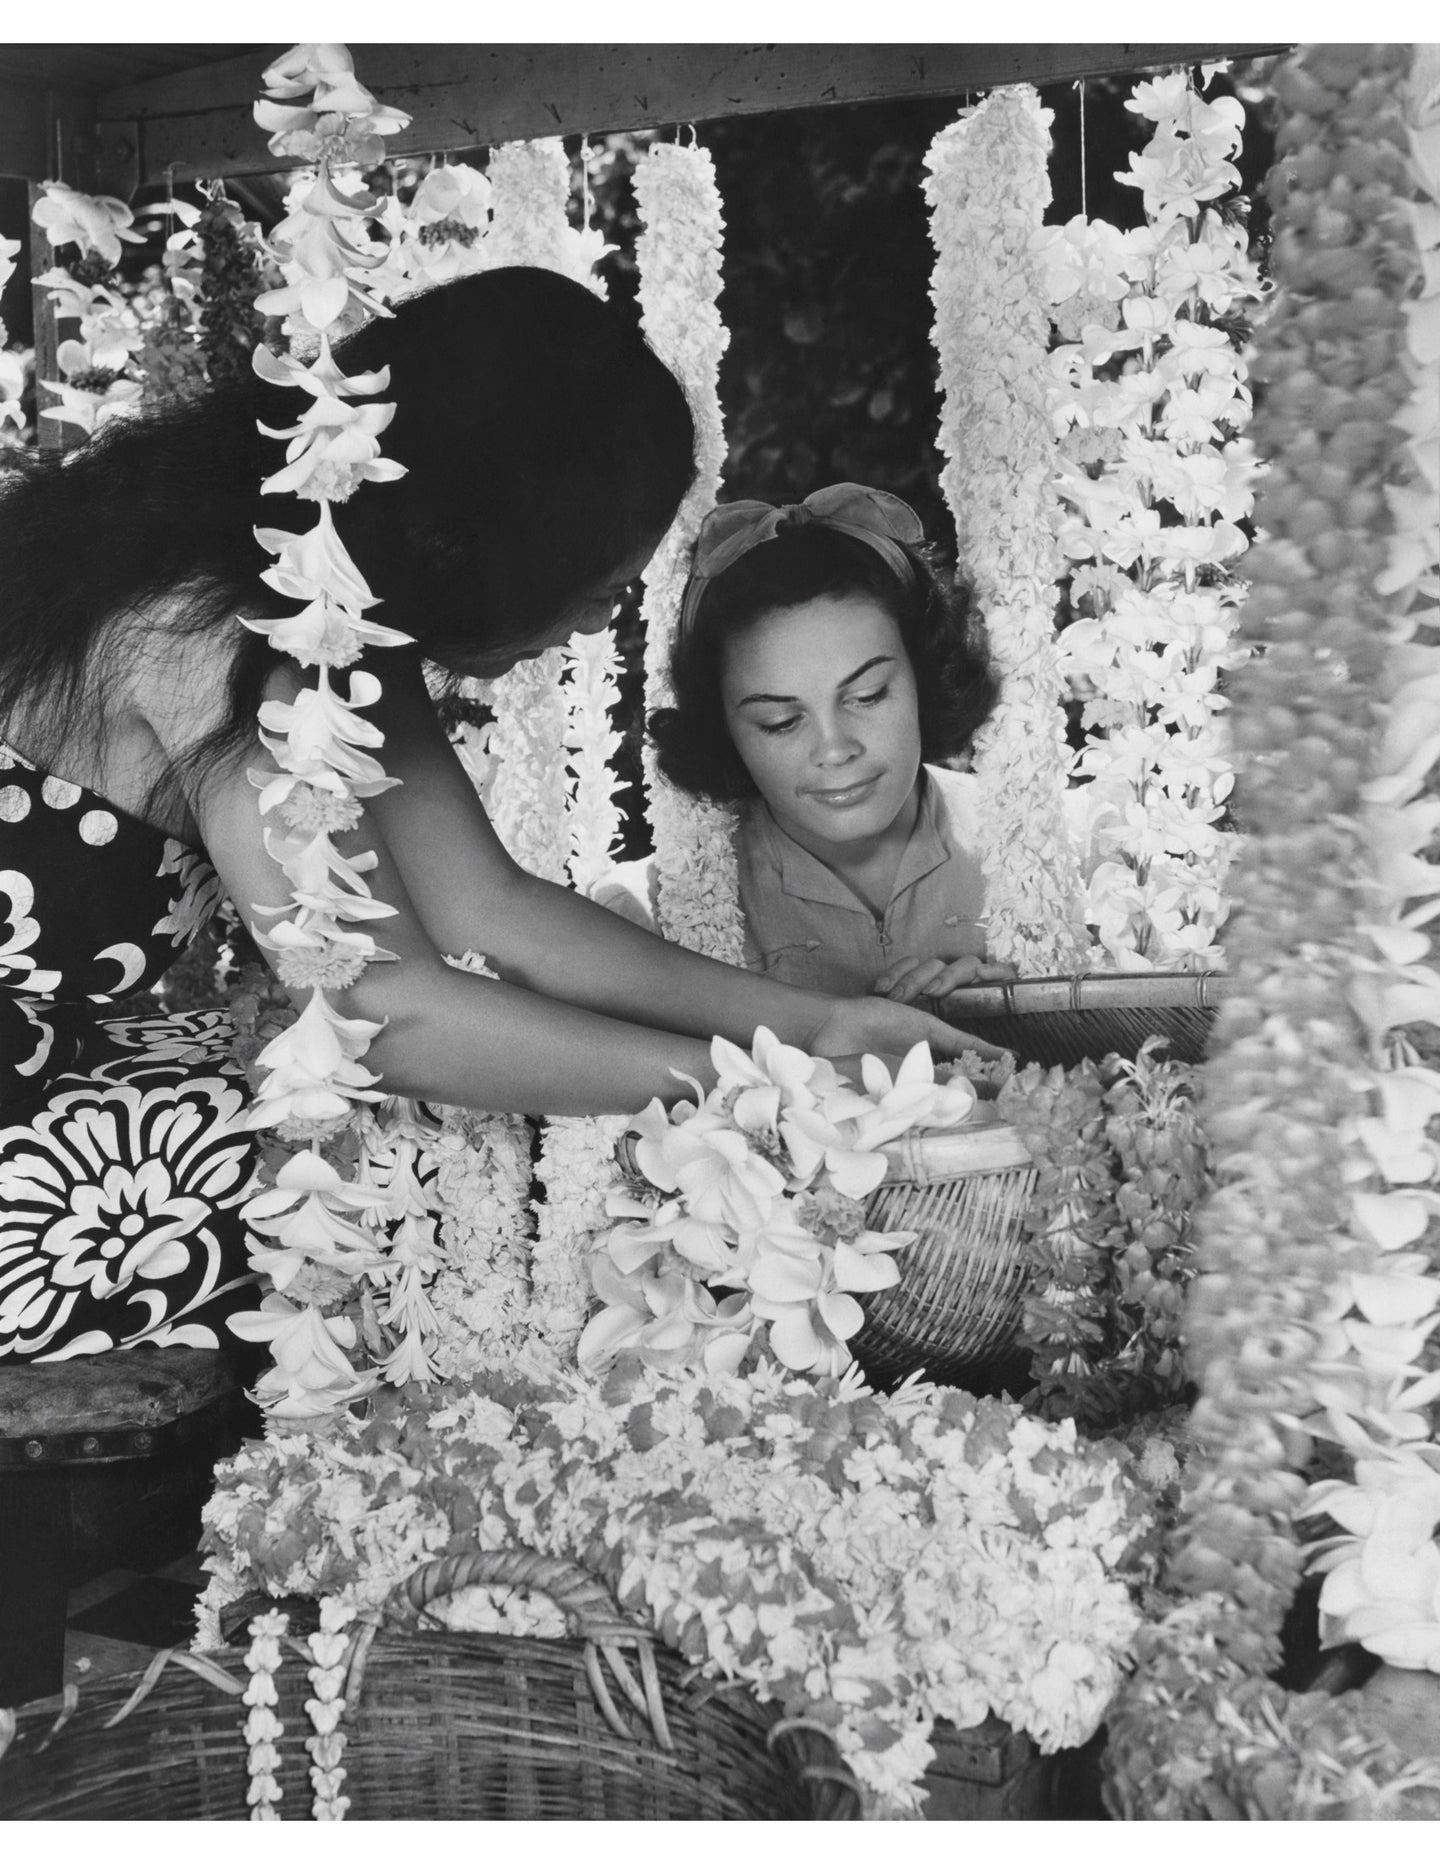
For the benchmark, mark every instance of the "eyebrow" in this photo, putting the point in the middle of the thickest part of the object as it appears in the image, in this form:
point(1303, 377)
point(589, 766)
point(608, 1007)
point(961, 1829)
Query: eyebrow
point(879, 660)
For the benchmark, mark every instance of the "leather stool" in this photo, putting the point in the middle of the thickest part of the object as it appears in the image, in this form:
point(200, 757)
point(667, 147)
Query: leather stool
point(104, 1461)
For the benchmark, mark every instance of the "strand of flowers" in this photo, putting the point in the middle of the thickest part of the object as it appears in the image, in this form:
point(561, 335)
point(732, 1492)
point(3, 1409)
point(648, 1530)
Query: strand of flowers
point(12, 369)
point(1380, 1400)
point(1149, 403)
point(95, 365)
point(263, 1728)
point(1285, 1087)
point(329, 1646)
point(314, 1079)
point(987, 190)
point(678, 253)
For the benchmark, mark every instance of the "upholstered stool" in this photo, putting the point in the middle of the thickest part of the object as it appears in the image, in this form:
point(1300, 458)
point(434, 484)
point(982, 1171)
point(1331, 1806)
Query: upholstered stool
point(104, 1461)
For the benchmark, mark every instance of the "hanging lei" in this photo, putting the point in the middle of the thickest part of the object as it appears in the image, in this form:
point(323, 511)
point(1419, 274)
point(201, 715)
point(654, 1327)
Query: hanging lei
point(1312, 1310)
point(98, 383)
point(678, 253)
point(1149, 400)
point(987, 189)
point(327, 1232)
point(12, 369)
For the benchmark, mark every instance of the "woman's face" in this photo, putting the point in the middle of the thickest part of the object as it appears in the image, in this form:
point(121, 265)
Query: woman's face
point(589, 613)
point(821, 705)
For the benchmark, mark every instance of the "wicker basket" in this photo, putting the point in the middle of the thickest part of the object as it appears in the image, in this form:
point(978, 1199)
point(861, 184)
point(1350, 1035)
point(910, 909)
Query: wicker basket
point(440, 1725)
point(955, 1312)
point(1063, 1020)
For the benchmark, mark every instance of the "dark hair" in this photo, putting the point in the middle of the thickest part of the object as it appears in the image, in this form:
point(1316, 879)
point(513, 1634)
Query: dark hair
point(943, 638)
point(544, 441)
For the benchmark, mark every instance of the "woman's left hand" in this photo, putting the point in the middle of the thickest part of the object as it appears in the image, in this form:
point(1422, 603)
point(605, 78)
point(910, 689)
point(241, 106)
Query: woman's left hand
point(876, 1026)
point(909, 978)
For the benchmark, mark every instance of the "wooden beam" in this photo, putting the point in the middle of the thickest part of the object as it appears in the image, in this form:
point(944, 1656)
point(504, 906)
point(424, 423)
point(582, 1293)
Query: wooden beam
point(199, 122)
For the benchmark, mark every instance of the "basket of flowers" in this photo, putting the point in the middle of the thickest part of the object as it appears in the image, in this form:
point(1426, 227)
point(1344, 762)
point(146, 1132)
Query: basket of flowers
point(773, 1208)
point(329, 1712)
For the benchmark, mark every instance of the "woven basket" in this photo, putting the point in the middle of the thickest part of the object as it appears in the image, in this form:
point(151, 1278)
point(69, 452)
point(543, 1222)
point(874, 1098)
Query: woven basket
point(1063, 1020)
point(440, 1725)
point(955, 1312)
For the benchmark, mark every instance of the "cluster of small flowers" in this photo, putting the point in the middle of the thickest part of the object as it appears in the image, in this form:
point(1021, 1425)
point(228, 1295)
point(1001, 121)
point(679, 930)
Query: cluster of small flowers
point(870, 1562)
point(988, 189)
point(1148, 400)
point(263, 1727)
point(1314, 1305)
point(761, 1185)
point(678, 253)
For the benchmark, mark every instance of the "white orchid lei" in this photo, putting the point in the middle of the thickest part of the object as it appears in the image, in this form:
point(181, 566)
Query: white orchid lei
point(870, 1562)
point(678, 252)
point(98, 382)
point(1316, 1302)
point(1149, 401)
point(757, 1189)
point(12, 368)
point(327, 1232)
point(987, 190)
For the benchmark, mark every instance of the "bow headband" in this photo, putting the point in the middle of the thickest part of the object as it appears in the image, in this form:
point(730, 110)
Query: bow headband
point(879, 519)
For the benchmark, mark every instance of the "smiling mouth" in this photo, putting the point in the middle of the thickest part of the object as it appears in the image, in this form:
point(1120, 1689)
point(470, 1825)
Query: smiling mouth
point(845, 799)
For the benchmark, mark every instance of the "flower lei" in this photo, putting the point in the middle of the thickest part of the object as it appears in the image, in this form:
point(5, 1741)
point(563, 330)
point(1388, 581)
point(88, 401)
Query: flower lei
point(12, 368)
point(1149, 400)
point(678, 253)
point(97, 382)
point(263, 1728)
point(761, 1185)
point(987, 189)
point(314, 1079)
point(869, 1562)
point(1308, 1139)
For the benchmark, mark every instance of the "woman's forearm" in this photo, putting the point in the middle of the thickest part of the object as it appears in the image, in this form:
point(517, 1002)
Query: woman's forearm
point(464, 1040)
point(554, 941)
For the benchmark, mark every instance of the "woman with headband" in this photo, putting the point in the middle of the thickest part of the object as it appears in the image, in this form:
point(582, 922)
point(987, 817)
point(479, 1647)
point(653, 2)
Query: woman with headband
point(823, 674)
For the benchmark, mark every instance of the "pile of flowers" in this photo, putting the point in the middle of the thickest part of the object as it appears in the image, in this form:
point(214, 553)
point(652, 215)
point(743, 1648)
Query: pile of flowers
point(872, 1563)
point(757, 1189)
point(1148, 400)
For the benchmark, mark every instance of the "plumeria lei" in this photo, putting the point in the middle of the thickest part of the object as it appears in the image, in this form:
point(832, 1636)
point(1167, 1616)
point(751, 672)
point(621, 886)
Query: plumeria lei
point(678, 253)
point(987, 190)
point(1149, 401)
point(757, 1189)
point(1317, 1292)
point(869, 1562)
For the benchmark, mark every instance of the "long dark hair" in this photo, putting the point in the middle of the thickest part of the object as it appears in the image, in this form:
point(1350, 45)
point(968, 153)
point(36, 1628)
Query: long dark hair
point(544, 442)
point(942, 635)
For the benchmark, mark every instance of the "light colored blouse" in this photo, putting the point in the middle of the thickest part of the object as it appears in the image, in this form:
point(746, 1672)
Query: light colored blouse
point(804, 926)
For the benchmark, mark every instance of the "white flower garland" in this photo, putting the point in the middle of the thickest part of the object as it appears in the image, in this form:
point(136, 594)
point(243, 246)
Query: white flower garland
point(678, 253)
point(12, 370)
point(326, 1746)
point(263, 1728)
point(1149, 401)
point(1376, 1398)
point(987, 190)
point(97, 384)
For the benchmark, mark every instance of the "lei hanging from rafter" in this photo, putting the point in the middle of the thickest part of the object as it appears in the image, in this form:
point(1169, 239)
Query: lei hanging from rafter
point(987, 190)
point(1149, 399)
point(678, 253)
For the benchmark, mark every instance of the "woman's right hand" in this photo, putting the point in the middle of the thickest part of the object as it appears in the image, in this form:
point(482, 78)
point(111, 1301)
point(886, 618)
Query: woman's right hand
point(877, 1026)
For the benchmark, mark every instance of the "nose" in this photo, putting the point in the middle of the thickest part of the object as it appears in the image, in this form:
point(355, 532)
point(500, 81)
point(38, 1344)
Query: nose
point(836, 742)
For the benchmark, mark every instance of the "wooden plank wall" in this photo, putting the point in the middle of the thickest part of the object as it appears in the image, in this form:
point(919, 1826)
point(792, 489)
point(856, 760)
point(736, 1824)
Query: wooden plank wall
point(200, 122)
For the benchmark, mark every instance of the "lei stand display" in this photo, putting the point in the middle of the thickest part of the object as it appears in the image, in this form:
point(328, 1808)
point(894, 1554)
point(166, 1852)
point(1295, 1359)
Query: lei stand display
point(1318, 1296)
point(987, 191)
point(1149, 402)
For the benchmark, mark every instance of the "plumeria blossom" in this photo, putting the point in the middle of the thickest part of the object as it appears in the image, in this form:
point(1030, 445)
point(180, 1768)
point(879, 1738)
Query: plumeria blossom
point(760, 1186)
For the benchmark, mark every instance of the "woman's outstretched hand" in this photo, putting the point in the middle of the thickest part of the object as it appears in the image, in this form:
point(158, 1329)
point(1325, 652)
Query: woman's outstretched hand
point(877, 1026)
point(909, 978)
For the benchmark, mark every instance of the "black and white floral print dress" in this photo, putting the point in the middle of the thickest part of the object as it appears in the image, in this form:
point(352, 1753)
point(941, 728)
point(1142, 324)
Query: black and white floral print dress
point(124, 1157)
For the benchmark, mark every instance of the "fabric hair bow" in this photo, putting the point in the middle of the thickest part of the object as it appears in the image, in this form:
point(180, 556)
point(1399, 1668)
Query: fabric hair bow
point(729, 532)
